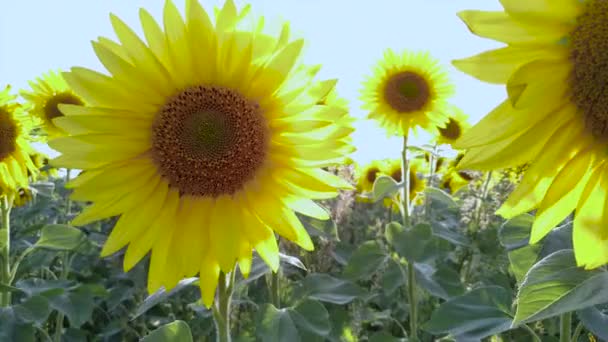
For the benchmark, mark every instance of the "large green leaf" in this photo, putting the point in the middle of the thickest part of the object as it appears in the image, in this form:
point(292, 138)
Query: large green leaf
point(172, 332)
point(556, 285)
point(443, 281)
point(440, 197)
point(482, 312)
point(326, 288)
point(393, 277)
point(60, 237)
point(77, 304)
point(34, 309)
point(416, 244)
point(311, 317)
point(514, 235)
point(276, 325)
point(324, 228)
point(13, 329)
point(595, 321)
point(385, 186)
point(365, 261)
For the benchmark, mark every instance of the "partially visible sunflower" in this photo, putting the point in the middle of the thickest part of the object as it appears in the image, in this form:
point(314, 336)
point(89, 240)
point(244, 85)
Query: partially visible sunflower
point(453, 178)
point(367, 175)
point(46, 171)
point(457, 124)
point(23, 197)
point(418, 168)
point(555, 68)
point(440, 162)
point(407, 91)
point(48, 92)
point(206, 141)
point(15, 162)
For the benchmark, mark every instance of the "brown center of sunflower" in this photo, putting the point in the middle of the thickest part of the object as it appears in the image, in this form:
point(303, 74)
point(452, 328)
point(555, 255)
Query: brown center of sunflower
point(589, 58)
point(51, 107)
point(372, 174)
point(465, 175)
point(8, 134)
point(396, 175)
point(413, 180)
point(407, 92)
point(451, 131)
point(209, 141)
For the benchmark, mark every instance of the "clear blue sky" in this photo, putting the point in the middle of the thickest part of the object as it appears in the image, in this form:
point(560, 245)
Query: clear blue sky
point(346, 36)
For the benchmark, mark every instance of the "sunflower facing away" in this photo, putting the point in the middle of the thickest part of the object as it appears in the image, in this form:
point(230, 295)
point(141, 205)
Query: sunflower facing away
point(555, 67)
point(15, 162)
point(455, 127)
point(407, 91)
point(47, 93)
point(205, 139)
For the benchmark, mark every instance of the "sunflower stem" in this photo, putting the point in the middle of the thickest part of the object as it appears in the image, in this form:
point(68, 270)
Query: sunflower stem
point(221, 307)
point(65, 262)
point(411, 275)
point(427, 200)
point(577, 331)
point(5, 248)
point(565, 323)
point(275, 289)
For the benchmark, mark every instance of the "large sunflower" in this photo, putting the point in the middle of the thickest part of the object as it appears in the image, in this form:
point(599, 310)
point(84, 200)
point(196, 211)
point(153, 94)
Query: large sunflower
point(15, 162)
point(48, 92)
point(407, 91)
point(555, 68)
point(205, 140)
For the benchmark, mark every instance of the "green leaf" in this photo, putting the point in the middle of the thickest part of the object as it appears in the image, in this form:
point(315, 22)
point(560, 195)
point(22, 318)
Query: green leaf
point(558, 239)
point(311, 317)
point(34, 309)
point(326, 288)
point(172, 332)
point(292, 260)
point(385, 186)
point(416, 244)
point(47, 288)
point(162, 295)
point(556, 285)
point(77, 304)
point(443, 282)
point(595, 321)
point(365, 261)
point(393, 277)
point(482, 312)
point(43, 188)
point(5, 288)
point(60, 237)
point(74, 335)
point(441, 197)
point(276, 325)
point(12, 329)
point(443, 231)
point(324, 228)
point(383, 336)
point(514, 235)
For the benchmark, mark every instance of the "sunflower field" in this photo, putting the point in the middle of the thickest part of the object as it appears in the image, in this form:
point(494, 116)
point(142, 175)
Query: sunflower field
point(203, 185)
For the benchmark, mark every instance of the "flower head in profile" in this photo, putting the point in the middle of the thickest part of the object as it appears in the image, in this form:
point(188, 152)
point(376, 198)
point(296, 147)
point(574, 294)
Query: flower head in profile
point(453, 129)
point(15, 150)
point(555, 66)
point(407, 90)
point(206, 139)
point(47, 93)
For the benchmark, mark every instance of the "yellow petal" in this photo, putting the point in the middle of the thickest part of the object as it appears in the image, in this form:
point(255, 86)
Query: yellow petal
point(244, 257)
point(540, 80)
point(262, 238)
point(496, 66)
point(209, 275)
point(562, 195)
point(224, 232)
point(276, 71)
point(109, 125)
point(560, 11)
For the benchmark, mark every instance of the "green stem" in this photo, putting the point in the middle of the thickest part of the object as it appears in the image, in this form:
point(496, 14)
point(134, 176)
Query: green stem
point(535, 337)
point(411, 275)
point(427, 200)
point(221, 308)
point(65, 263)
point(68, 201)
point(5, 249)
point(577, 332)
point(565, 322)
point(275, 288)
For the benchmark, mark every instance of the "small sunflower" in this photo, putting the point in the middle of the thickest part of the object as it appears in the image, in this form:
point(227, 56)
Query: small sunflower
point(555, 118)
point(23, 197)
point(440, 162)
point(457, 124)
point(15, 162)
point(48, 92)
point(407, 91)
point(41, 161)
point(455, 180)
point(205, 140)
point(367, 175)
point(417, 182)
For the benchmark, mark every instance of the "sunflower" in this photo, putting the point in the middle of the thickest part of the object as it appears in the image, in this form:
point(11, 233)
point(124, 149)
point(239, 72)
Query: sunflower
point(407, 91)
point(555, 68)
point(455, 180)
point(457, 124)
point(15, 162)
point(48, 92)
point(417, 182)
point(23, 197)
point(440, 162)
point(206, 140)
point(367, 175)
point(41, 161)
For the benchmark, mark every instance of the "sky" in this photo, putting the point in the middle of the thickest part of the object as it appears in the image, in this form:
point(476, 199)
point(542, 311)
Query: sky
point(348, 37)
